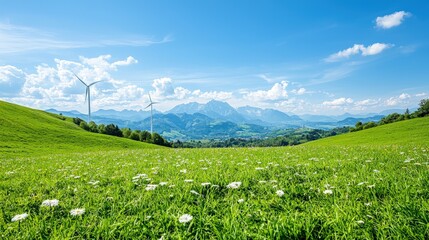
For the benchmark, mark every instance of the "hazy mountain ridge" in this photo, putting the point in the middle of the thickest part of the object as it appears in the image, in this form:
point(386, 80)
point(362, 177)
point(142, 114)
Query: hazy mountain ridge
point(219, 120)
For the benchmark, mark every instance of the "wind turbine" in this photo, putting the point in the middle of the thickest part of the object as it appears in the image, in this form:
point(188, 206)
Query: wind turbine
point(87, 95)
point(151, 113)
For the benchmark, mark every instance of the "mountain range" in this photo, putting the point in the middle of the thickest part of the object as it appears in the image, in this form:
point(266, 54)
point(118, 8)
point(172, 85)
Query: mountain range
point(219, 120)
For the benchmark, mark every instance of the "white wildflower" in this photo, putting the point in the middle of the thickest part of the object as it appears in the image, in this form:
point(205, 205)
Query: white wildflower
point(360, 222)
point(189, 180)
point(77, 211)
point(240, 200)
point(234, 185)
point(205, 184)
point(328, 191)
point(19, 217)
point(151, 187)
point(195, 192)
point(280, 193)
point(259, 168)
point(50, 203)
point(376, 171)
point(183, 171)
point(93, 182)
point(185, 218)
point(371, 186)
point(163, 183)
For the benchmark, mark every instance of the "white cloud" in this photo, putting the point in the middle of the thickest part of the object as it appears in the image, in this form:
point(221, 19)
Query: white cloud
point(221, 95)
point(23, 39)
point(392, 20)
point(338, 102)
point(163, 87)
point(421, 94)
point(395, 101)
point(271, 79)
point(404, 96)
point(373, 49)
point(8, 72)
point(277, 92)
point(366, 102)
point(299, 91)
point(56, 86)
point(181, 92)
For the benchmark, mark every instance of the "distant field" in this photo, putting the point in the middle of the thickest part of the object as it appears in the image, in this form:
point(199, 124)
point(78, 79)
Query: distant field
point(408, 132)
point(366, 185)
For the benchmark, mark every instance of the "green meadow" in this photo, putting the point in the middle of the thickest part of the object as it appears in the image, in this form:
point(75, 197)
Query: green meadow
point(364, 185)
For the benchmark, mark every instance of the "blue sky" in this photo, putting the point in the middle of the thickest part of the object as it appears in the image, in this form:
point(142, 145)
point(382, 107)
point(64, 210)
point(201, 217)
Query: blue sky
point(319, 57)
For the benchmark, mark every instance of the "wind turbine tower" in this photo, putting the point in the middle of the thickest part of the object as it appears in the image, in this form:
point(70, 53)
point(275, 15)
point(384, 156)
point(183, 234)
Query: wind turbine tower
point(151, 113)
point(87, 95)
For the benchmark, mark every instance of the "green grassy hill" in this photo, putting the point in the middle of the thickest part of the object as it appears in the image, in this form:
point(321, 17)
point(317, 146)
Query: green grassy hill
point(414, 131)
point(28, 132)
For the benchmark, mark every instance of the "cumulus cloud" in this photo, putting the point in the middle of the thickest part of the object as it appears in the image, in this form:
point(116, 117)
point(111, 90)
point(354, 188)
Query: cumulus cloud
point(56, 86)
point(421, 94)
point(373, 49)
point(338, 102)
point(366, 103)
point(11, 80)
point(397, 100)
point(392, 20)
point(277, 92)
point(299, 91)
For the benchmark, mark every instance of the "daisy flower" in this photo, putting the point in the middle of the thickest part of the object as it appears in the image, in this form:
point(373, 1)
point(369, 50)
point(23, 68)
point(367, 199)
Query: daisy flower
point(280, 193)
point(19, 217)
point(50, 203)
point(185, 218)
point(77, 211)
point(234, 185)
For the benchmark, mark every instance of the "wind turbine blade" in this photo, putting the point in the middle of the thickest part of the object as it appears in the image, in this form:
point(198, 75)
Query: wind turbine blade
point(150, 98)
point(86, 94)
point(94, 83)
point(155, 102)
point(148, 105)
point(80, 79)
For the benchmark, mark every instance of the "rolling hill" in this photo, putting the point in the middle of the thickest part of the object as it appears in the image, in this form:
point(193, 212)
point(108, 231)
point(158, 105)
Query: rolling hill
point(414, 131)
point(28, 132)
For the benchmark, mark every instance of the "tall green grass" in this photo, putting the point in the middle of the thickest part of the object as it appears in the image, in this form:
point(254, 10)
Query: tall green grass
point(377, 192)
point(27, 132)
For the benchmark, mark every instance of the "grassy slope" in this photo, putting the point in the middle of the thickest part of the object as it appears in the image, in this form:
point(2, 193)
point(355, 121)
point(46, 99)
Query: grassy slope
point(28, 132)
point(414, 131)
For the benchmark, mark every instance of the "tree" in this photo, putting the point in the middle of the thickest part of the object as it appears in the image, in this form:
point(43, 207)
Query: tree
point(102, 128)
point(135, 135)
point(370, 125)
point(423, 109)
point(113, 130)
point(407, 114)
point(84, 126)
point(93, 127)
point(145, 136)
point(126, 132)
point(157, 139)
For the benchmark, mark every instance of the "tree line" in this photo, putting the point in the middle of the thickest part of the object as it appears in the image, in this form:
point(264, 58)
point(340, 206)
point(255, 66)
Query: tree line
point(112, 129)
point(293, 137)
point(422, 111)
